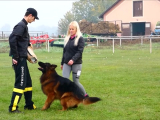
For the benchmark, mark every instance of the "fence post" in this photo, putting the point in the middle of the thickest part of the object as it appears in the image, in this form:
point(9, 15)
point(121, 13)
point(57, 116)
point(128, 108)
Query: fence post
point(97, 42)
point(113, 45)
point(120, 41)
point(2, 34)
point(150, 45)
point(141, 40)
point(48, 45)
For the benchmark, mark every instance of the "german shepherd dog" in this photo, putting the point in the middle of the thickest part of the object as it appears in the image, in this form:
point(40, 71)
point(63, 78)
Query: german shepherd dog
point(56, 87)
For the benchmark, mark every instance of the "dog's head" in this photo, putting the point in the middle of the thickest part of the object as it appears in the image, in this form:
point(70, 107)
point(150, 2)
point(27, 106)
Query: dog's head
point(44, 67)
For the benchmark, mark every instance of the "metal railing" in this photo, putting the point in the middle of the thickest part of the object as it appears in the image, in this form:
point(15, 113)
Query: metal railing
point(5, 34)
point(150, 37)
point(113, 38)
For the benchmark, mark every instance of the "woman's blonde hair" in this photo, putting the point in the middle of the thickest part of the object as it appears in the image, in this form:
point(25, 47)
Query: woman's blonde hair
point(78, 33)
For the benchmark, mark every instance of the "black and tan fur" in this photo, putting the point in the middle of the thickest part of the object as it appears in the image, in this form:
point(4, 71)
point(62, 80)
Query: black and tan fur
point(63, 89)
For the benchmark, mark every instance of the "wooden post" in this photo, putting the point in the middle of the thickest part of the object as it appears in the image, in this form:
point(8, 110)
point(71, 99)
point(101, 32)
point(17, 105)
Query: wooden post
point(141, 40)
point(2, 34)
point(150, 45)
point(113, 45)
point(48, 45)
point(97, 42)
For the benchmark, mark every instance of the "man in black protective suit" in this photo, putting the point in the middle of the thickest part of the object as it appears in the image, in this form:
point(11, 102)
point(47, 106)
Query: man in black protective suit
point(19, 41)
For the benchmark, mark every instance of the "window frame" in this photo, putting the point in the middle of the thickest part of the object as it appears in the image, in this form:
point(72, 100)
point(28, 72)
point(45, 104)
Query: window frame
point(137, 13)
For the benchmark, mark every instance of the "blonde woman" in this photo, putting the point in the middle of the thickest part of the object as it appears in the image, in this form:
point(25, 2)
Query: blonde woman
point(72, 54)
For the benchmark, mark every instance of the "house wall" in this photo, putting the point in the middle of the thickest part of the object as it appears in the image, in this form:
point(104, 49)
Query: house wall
point(124, 11)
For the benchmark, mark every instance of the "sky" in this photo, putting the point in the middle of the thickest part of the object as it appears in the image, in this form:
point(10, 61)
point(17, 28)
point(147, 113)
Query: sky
point(49, 12)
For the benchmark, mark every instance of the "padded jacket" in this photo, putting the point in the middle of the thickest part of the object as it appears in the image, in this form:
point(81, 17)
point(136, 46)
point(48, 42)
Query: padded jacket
point(70, 51)
point(19, 40)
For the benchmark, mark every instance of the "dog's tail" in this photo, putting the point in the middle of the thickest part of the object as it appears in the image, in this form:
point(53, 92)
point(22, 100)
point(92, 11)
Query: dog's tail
point(90, 100)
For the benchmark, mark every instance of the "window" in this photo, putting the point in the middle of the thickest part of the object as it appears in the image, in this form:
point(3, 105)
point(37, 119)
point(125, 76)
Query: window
point(137, 8)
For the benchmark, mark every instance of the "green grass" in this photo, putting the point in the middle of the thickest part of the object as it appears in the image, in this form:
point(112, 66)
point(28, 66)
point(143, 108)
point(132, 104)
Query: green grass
point(127, 81)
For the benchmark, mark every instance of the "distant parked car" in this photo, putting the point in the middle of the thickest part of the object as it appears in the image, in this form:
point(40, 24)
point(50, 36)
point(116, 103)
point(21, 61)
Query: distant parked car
point(157, 29)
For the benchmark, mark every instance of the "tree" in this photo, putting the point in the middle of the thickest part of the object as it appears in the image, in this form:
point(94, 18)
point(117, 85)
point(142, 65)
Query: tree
point(84, 9)
point(99, 7)
point(64, 22)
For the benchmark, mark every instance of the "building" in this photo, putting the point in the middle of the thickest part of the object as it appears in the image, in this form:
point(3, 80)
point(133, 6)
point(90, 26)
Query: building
point(135, 17)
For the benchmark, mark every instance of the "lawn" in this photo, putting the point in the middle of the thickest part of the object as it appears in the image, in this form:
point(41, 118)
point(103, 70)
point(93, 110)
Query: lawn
point(127, 81)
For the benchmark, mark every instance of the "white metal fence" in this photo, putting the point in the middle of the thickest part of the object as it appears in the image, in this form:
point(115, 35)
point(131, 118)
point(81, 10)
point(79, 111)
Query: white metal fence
point(141, 38)
point(121, 38)
point(113, 39)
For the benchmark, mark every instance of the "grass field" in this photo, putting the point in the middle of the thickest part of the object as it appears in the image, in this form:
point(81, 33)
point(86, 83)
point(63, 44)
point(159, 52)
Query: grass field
point(127, 81)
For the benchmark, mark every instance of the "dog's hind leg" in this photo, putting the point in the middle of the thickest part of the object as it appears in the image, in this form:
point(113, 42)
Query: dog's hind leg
point(68, 100)
point(64, 107)
point(64, 99)
point(50, 99)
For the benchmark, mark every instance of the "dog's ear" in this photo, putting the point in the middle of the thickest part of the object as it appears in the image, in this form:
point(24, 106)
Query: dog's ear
point(53, 66)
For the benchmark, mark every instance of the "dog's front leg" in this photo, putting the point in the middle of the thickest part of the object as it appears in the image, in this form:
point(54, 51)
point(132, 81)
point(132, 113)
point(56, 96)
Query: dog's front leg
point(50, 99)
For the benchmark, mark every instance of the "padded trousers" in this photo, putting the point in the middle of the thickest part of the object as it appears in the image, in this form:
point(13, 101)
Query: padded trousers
point(22, 85)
